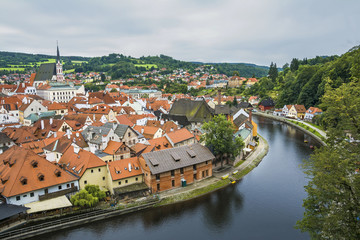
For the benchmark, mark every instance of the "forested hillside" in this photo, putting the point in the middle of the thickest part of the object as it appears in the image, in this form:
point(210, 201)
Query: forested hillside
point(120, 66)
point(304, 81)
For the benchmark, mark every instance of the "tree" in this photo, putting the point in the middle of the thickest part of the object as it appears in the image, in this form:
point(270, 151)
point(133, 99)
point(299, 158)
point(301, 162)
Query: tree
point(273, 72)
point(219, 137)
point(236, 73)
point(332, 208)
point(294, 65)
point(235, 103)
point(113, 90)
point(88, 197)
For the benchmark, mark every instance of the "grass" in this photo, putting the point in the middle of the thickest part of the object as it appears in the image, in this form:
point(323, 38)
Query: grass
point(78, 62)
point(316, 126)
point(13, 69)
point(195, 193)
point(69, 71)
point(308, 129)
point(239, 163)
point(147, 66)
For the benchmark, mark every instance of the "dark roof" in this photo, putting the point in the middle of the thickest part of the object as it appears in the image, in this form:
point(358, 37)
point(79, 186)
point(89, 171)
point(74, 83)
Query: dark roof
point(195, 111)
point(119, 130)
point(242, 119)
point(267, 103)
point(175, 158)
point(182, 120)
point(9, 210)
point(245, 105)
point(222, 109)
point(4, 138)
point(46, 72)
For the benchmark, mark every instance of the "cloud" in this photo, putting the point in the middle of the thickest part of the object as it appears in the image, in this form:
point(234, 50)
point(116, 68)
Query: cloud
point(256, 31)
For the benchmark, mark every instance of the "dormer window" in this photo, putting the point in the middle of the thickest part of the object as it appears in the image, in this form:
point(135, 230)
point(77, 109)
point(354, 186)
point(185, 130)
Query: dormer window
point(34, 163)
point(23, 180)
point(58, 173)
point(41, 177)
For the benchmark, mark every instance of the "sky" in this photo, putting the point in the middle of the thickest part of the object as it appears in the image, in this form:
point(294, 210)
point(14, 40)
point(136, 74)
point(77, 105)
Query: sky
point(249, 31)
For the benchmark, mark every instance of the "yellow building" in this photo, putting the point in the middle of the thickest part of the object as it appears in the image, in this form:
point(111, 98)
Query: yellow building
point(125, 175)
point(87, 166)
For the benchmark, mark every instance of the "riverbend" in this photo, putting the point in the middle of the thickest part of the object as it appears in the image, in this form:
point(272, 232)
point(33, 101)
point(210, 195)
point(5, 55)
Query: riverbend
point(264, 205)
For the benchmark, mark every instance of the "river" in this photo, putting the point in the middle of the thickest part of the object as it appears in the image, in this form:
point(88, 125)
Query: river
point(265, 205)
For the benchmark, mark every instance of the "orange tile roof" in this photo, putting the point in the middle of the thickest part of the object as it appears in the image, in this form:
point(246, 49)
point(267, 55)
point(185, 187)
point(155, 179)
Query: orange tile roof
point(123, 119)
point(78, 163)
point(147, 131)
point(113, 147)
point(22, 170)
point(300, 108)
point(120, 169)
point(160, 143)
point(180, 135)
point(313, 110)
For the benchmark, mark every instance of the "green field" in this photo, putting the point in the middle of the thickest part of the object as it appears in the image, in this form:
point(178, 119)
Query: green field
point(12, 69)
point(69, 71)
point(78, 62)
point(147, 66)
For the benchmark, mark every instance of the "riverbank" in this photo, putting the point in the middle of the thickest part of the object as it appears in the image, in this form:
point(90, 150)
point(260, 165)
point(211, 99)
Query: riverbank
point(194, 190)
point(216, 182)
point(317, 134)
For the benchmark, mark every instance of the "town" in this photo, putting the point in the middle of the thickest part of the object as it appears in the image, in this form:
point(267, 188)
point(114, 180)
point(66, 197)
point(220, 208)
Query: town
point(129, 142)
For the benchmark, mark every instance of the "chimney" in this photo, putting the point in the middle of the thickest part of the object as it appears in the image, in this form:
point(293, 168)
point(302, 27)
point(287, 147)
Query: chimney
point(171, 129)
point(69, 137)
point(142, 130)
point(42, 124)
point(161, 122)
point(51, 121)
point(77, 134)
point(76, 149)
point(23, 85)
point(129, 167)
point(219, 97)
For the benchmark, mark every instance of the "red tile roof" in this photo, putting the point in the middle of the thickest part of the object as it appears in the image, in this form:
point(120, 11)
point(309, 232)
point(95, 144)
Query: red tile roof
point(120, 169)
point(20, 171)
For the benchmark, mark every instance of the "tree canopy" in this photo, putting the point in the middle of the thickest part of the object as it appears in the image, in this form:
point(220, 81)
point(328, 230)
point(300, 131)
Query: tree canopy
point(88, 197)
point(332, 208)
point(219, 137)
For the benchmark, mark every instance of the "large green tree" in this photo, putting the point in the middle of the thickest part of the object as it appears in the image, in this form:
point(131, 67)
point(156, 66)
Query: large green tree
point(332, 208)
point(88, 197)
point(219, 136)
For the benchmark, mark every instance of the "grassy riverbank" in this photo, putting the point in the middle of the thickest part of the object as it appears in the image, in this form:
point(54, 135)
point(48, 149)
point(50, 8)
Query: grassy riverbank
point(307, 128)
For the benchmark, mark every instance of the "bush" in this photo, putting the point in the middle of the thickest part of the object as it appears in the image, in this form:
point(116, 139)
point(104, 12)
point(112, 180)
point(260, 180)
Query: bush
point(88, 197)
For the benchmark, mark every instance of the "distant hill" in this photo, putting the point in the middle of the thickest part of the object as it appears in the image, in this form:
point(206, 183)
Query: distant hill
point(120, 66)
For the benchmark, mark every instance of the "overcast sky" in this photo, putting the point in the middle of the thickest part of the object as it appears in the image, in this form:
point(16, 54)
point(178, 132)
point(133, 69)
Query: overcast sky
point(251, 31)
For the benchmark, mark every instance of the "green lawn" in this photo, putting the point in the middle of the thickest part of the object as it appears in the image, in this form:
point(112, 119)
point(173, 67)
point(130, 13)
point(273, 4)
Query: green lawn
point(147, 66)
point(69, 71)
point(78, 62)
point(13, 69)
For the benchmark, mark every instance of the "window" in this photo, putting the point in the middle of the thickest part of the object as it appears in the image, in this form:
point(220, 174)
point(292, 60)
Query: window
point(39, 109)
point(17, 198)
point(103, 178)
point(32, 109)
point(181, 171)
point(68, 185)
point(60, 187)
point(207, 162)
point(32, 194)
point(119, 182)
point(25, 195)
point(194, 167)
point(121, 157)
point(136, 179)
point(92, 170)
point(157, 176)
point(172, 173)
point(99, 170)
point(173, 183)
point(85, 182)
point(158, 186)
point(129, 134)
point(126, 181)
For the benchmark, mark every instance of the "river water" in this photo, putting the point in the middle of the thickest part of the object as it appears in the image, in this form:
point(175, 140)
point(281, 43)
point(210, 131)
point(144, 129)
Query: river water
point(265, 205)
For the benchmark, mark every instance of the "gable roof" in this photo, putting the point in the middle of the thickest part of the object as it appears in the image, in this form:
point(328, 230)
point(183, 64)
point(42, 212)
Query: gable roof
point(123, 119)
point(46, 72)
point(195, 111)
point(120, 169)
point(17, 167)
point(179, 135)
point(78, 163)
point(163, 161)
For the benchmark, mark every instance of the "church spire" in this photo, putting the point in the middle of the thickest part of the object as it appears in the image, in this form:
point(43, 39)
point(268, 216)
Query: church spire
point(58, 52)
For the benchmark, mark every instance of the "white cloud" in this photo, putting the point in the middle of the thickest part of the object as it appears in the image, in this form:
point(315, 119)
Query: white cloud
point(256, 31)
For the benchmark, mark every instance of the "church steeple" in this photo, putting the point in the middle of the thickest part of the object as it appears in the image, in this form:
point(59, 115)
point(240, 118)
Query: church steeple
point(59, 70)
point(58, 52)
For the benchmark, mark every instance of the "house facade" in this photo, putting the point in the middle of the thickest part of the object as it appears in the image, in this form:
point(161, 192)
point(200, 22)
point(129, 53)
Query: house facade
point(170, 168)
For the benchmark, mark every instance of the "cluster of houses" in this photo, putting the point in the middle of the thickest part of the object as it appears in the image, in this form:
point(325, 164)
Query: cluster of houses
point(298, 112)
point(55, 142)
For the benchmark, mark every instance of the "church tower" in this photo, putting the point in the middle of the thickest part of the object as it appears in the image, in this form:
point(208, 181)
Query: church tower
point(59, 70)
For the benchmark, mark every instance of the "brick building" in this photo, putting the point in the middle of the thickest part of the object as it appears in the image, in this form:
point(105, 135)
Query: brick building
point(169, 168)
